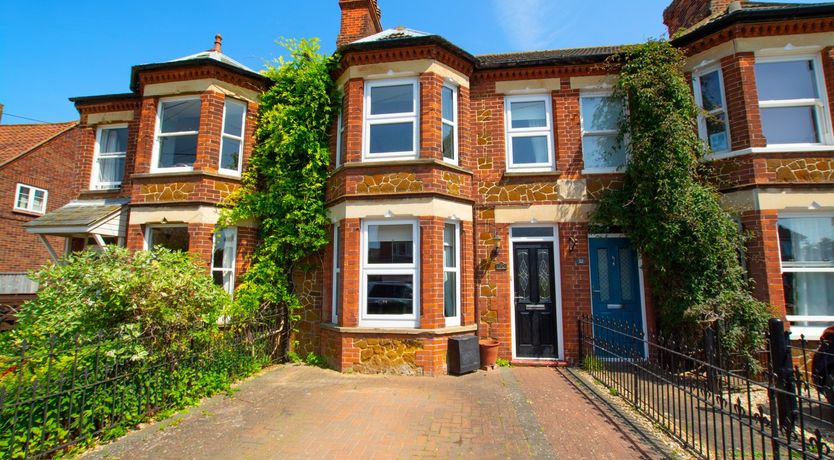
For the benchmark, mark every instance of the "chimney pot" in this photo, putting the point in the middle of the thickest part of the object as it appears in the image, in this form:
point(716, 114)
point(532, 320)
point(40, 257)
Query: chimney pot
point(218, 40)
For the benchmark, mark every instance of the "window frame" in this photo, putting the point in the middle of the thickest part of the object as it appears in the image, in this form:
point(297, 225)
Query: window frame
point(157, 144)
point(453, 320)
point(820, 104)
point(335, 298)
point(810, 332)
point(369, 120)
point(94, 184)
point(340, 134)
point(223, 136)
point(510, 133)
point(389, 321)
point(606, 132)
point(148, 243)
point(453, 123)
point(30, 200)
point(702, 119)
point(234, 256)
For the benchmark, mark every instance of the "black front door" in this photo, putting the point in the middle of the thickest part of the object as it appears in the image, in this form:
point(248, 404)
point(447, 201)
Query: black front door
point(535, 300)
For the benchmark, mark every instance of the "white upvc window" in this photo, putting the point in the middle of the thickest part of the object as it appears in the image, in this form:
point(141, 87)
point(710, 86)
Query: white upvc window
point(30, 199)
point(109, 157)
point(792, 100)
point(223, 257)
point(449, 123)
point(390, 294)
point(173, 237)
point(336, 299)
point(451, 273)
point(391, 120)
point(807, 255)
point(600, 114)
point(340, 134)
point(231, 143)
point(713, 123)
point(177, 127)
point(529, 133)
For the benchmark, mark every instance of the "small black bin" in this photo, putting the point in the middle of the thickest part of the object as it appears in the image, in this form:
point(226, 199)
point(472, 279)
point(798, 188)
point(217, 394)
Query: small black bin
point(464, 355)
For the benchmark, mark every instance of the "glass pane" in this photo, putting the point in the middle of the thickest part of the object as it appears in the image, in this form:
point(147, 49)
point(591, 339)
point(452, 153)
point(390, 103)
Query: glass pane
point(179, 151)
point(602, 152)
point(528, 150)
point(449, 249)
point(711, 91)
point(38, 201)
point(602, 274)
point(224, 249)
point(790, 125)
point(543, 258)
point(448, 142)
point(522, 275)
point(786, 80)
point(809, 293)
point(392, 99)
point(392, 137)
point(173, 238)
point(224, 278)
point(111, 170)
point(230, 154)
point(521, 232)
point(601, 113)
point(233, 123)
point(390, 244)
point(530, 114)
point(626, 274)
point(23, 197)
point(807, 239)
point(450, 297)
point(448, 101)
point(113, 140)
point(178, 116)
point(336, 248)
point(390, 294)
point(717, 133)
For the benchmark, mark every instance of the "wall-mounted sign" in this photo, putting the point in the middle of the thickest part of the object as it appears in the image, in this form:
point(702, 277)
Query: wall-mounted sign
point(580, 261)
point(500, 266)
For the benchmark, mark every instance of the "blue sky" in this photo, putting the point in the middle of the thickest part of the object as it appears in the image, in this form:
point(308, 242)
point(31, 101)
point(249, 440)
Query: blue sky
point(51, 50)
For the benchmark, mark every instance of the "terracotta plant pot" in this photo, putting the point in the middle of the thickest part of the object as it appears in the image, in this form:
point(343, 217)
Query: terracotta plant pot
point(489, 352)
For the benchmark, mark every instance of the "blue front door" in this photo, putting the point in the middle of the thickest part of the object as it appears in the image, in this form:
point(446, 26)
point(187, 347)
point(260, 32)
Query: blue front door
point(615, 292)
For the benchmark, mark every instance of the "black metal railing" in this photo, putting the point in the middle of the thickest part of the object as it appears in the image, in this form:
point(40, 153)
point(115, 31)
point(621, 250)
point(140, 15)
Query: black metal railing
point(71, 392)
point(710, 403)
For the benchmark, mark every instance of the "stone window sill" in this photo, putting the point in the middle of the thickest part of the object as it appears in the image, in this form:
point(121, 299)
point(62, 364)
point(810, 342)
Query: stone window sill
point(510, 174)
point(400, 331)
point(392, 163)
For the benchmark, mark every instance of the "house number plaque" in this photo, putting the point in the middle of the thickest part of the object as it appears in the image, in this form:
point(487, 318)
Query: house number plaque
point(500, 266)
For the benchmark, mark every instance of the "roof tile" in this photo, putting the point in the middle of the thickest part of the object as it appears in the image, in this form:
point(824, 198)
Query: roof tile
point(18, 139)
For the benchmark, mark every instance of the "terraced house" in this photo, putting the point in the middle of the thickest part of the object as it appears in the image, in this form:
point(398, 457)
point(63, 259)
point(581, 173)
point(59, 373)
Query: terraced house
point(462, 185)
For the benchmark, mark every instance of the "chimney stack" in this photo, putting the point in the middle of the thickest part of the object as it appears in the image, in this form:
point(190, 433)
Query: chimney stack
point(1, 113)
point(360, 19)
point(218, 39)
point(683, 14)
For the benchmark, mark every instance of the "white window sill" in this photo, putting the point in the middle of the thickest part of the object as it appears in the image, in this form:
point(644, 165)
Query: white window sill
point(388, 157)
point(171, 170)
point(530, 170)
point(782, 148)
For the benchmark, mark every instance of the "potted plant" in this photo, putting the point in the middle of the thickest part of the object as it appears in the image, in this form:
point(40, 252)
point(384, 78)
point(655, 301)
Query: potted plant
point(489, 352)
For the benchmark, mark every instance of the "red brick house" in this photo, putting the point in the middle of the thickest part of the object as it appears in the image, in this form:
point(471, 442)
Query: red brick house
point(461, 185)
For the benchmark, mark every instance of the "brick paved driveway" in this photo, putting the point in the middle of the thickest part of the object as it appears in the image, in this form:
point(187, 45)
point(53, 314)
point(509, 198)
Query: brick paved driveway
point(303, 412)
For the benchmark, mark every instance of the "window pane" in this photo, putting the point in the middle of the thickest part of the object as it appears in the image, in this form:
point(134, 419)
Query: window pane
point(448, 98)
point(528, 114)
point(807, 239)
point(390, 294)
point(711, 91)
point(790, 125)
point(173, 238)
point(392, 137)
point(113, 140)
point(178, 116)
point(23, 197)
point(178, 151)
point(786, 80)
point(38, 201)
point(233, 123)
point(224, 249)
point(224, 278)
point(392, 99)
point(809, 293)
point(601, 113)
point(390, 244)
point(531, 149)
point(450, 297)
point(602, 152)
point(449, 249)
point(337, 248)
point(230, 154)
point(448, 142)
point(521, 232)
point(111, 170)
point(717, 133)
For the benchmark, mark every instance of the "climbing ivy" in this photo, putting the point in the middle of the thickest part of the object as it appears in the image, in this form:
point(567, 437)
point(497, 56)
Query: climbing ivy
point(284, 186)
point(669, 211)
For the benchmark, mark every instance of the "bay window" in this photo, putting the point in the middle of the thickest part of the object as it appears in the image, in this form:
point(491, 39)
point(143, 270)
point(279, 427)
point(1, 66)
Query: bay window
point(178, 123)
point(529, 133)
point(391, 121)
point(600, 116)
point(109, 157)
point(223, 258)
point(231, 143)
point(806, 244)
point(451, 273)
point(449, 125)
point(390, 293)
point(792, 101)
point(713, 125)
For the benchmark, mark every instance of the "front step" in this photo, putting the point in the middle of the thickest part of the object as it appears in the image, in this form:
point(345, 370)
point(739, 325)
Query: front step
point(539, 362)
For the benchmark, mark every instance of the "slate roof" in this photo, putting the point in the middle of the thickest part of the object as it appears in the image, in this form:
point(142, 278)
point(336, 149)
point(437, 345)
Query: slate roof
point(393, 34)
point(15, 140)
point(215, 55)
point(76, 214)
point(594, 53)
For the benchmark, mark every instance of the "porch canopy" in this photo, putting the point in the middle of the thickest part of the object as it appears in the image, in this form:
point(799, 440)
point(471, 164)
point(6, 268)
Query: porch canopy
point(82, 219)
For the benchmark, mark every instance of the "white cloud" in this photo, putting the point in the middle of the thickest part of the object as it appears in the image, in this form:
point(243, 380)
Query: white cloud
point(534, 24)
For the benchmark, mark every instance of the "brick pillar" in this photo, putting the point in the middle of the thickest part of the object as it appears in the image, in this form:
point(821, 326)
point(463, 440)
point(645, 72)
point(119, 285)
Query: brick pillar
point(431, 273)
point(763, 264)
point(211, 131)
point(742, 101)
point(351, 229)
point(146, 135)
point(431, 143)
point(828, 73)
point(201, 242)
point(567, 130)
point(576, 283)
point(354, 95)
point(468, 266)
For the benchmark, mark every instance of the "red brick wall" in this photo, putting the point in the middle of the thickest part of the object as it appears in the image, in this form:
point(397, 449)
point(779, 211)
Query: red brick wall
point(763, 264)
point(742, 100)
point(568, 130)
point(360, 18)
point(682, 14)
